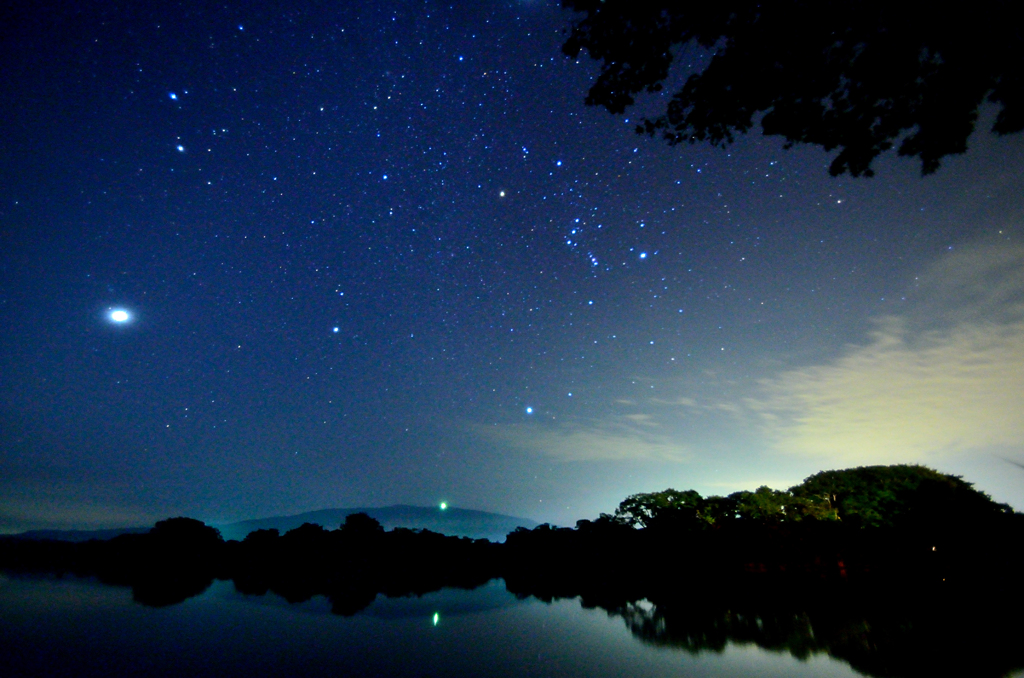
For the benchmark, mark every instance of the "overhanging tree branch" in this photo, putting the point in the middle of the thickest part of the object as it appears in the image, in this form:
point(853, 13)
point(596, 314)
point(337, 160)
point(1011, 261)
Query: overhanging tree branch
point(860, 77)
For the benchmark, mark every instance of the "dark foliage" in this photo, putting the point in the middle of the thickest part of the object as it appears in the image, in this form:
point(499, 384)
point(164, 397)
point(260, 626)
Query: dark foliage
point(901, 495)
point(361, 526)
point(911, 497)
point(854, 75)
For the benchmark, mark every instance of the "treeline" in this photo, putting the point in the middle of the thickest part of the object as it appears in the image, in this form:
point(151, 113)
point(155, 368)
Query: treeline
point(876, 525)
point(180, 558)
point(864, 497)
point(870, 526)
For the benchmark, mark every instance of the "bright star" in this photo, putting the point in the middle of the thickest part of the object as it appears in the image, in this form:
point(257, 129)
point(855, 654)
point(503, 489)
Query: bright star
point(119, 315)
point(174, 97)
point(643, 255)
point(181, 149)
point(437, 618)
point(529, 410)
point(444, 505)
point(501, 194)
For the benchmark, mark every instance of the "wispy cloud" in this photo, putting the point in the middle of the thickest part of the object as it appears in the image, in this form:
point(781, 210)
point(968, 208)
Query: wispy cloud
point(681, 402)
point(625, 438)
point(64, 506)
point(641, 419)
point(946, 377)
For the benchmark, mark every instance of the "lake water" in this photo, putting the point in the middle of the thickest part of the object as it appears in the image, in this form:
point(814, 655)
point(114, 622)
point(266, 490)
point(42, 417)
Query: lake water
point(75, 627)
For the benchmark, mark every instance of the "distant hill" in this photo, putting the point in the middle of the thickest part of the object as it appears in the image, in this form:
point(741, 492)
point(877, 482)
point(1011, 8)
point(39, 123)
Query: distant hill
point(451, 521)
point(80, 535)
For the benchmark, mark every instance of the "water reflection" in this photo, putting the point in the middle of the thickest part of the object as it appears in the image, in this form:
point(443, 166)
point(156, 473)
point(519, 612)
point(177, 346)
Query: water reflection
point(72, 627)
point(69, 626)
point(892, 635)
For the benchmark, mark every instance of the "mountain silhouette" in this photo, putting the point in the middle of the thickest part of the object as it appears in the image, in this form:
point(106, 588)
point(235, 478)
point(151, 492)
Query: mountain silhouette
point(80, 535)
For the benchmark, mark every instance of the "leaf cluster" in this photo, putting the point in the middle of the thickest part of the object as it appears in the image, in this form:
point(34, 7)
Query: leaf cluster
point(855, 75)
point(898, 495)
point(866, 497)
point(672, 509)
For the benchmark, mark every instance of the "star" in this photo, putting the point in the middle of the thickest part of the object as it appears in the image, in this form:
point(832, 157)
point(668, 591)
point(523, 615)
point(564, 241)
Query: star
point(119, 315)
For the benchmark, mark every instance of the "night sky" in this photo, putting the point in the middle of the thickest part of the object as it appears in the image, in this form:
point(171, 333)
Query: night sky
point(375, 253)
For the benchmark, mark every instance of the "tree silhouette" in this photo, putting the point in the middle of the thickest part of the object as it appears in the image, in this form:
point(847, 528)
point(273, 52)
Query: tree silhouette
point(764, 505)
point(666, 509)
point(900, 495)
point(855, 75)
point(186, 533)
point(361, 525)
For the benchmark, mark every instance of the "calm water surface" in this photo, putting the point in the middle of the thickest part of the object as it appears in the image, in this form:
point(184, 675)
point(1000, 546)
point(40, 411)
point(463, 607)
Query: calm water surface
point(73, 627)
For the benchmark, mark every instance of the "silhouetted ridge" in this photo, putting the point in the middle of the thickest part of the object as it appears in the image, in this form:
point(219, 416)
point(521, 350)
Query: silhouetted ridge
point(80, 535)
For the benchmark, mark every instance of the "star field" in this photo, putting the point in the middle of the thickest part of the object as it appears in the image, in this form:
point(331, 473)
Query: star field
point(382, 253)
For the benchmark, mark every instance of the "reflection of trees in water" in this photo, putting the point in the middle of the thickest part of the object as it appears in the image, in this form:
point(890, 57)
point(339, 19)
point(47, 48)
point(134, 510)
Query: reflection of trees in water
point(879, 635)
point(712, 630)
point(165, 589)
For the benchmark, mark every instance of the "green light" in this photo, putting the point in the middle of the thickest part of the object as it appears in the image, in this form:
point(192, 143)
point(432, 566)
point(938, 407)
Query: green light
point(444, 505)
point(437, 618)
